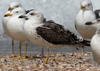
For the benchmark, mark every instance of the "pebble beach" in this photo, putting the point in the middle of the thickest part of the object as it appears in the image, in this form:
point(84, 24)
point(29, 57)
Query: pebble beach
point(56, 62)
point(60, 59)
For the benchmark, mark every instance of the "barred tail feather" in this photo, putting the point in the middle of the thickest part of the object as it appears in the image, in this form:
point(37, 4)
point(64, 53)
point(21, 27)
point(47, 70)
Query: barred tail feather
point(86, 42)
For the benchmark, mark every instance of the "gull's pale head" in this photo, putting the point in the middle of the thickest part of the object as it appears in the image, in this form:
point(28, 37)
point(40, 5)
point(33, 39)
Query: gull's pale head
point(86, 5)
point(95, 23)
point(34, 15)
point(14, 5)
point(17, 12)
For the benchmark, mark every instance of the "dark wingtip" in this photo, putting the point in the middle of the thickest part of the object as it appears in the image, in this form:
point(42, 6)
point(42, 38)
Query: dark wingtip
point(88, 23)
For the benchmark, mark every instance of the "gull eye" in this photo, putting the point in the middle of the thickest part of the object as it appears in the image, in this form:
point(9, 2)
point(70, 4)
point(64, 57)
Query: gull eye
point(32, 14)
point(88, 4)
point(16, 11)
point(17, 6)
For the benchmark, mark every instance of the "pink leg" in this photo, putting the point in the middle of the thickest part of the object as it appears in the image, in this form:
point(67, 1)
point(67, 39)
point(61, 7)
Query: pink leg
point(42, 53)
point(48, 53)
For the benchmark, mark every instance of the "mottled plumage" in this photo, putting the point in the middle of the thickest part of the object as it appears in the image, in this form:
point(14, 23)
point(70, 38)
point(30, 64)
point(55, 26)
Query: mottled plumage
point(56, 34)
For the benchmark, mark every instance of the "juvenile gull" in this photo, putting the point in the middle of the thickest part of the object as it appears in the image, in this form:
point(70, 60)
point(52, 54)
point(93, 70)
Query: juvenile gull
point(49, 34)
point(85, 14)
point(15, 27)
point(95, 41)
point(5, 19)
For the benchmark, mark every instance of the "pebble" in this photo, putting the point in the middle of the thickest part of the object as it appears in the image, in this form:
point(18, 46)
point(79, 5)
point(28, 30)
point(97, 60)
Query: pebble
point(56, 62)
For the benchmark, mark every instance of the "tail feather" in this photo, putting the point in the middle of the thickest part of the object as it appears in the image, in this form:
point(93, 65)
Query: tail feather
point(82, 44)
point(86, 42)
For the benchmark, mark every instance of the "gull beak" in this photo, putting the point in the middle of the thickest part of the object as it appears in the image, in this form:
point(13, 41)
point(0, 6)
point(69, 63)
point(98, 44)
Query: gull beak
point(82, 7)
point(22, 16)
point(6, 15)
point(10, 9)
point(89, 23)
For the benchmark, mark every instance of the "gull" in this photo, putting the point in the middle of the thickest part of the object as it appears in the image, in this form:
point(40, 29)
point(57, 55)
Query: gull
point(86, 14)
point(5, 19)
point(14, 5)
point(95, 41)
point(15, 27)
point(49, 34)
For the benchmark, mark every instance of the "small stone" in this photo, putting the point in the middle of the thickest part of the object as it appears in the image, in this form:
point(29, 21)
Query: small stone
point(5, 60)
point(29, 56)
point(19, 67)
point(79, 57)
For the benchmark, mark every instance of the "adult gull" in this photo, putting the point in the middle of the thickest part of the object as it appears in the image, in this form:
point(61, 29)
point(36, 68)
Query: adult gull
point(15, 27)
point(95, 41)
point(86, 14)
point(5, 19)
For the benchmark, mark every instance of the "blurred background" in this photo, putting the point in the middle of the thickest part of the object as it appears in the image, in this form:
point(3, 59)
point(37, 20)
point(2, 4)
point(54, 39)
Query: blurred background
point(61, 11)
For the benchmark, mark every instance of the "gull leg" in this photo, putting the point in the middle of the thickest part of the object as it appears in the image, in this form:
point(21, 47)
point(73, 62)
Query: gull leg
point(83, 50)
point(18, 55)
point(12, 48)
point(25, 51)
point(46, 60)
point(42, 53)
point(20, 45)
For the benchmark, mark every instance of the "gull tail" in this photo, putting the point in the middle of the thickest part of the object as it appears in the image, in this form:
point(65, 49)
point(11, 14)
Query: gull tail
point(85, 42)
point(82, 44)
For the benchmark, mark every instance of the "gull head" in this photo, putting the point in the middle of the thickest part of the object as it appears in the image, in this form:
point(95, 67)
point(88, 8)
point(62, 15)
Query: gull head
point(86, 5)
point(33, 15)
point(14, 5)
point(16, 12)
point(95, 23)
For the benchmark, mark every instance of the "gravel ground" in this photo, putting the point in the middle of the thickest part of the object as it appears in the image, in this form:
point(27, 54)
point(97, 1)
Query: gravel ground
point(56, 62)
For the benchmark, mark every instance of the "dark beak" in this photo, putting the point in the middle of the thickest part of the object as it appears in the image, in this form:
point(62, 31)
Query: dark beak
point(22, 16)
point(88, 23)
